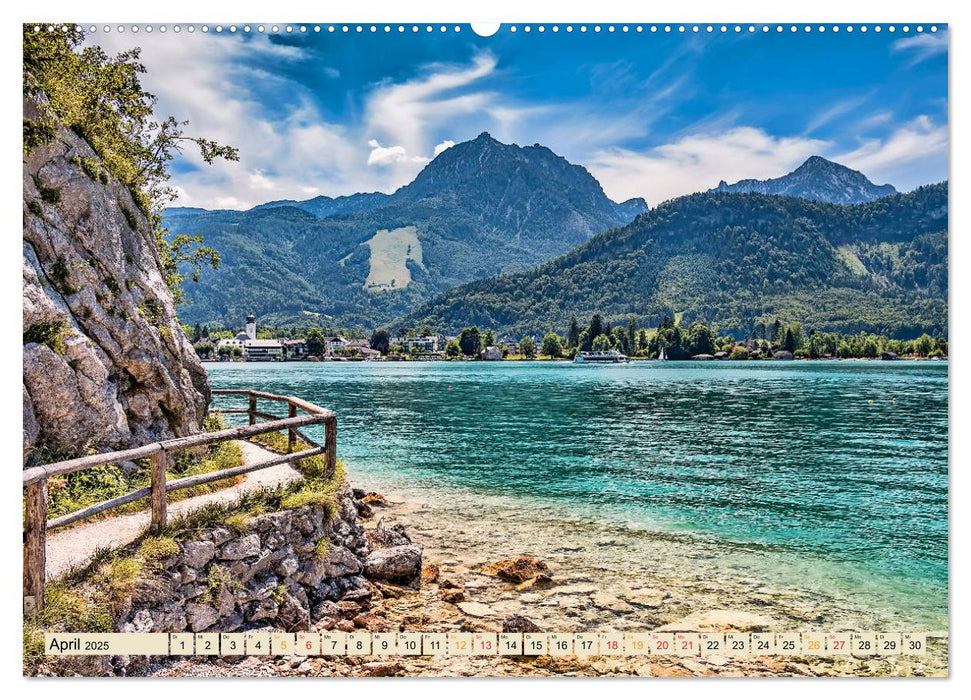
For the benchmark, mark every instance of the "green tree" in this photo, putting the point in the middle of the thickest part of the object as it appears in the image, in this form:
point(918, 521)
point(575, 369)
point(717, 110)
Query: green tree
point(776, 334)
point(632, 334)
point(870, 348)
point(596, 328)
point(584, 341)
point(642, 341)
point(488, 338)
point(789, 343)
point(602, 342)
point(676, 349)
point(573, 334)
point(102, 99)
point(619, 336)
point(924, 345)
point(552, 346)
point(316, 342)
point(798, 336)
point(470, 340)
point(527, 347)
point(381, 341)
point(452, 349)
point(701, 340)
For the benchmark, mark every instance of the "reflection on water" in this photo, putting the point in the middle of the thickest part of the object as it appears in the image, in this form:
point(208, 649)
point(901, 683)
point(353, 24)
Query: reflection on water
point(789, 460)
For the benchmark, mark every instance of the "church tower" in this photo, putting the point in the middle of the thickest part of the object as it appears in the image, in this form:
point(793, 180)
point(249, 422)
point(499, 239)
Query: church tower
point(251, 326)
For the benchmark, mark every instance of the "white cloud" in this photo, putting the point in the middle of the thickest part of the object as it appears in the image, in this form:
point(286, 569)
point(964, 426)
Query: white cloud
point(259, 180)
point(443, 146)
point(209, 81)
point(293, 151)
point(697, 162)
point(910, 155)
point(404, 112)
point(922, 46)
point(411, 114)
point(834, 111)
point(383, 156)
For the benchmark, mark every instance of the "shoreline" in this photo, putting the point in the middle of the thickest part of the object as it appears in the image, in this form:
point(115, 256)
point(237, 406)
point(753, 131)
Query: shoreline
point(615, 583)
point(588, 590)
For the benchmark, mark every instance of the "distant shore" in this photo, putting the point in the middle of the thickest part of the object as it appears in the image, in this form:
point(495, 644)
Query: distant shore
point(568, 360)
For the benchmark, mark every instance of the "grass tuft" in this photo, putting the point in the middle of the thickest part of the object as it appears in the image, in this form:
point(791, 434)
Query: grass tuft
point(156, 549)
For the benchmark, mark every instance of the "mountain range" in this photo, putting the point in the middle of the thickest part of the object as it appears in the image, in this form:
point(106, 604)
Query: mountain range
point(817, 179)
point(479, 209)
point(518, 239)
point(731, 261)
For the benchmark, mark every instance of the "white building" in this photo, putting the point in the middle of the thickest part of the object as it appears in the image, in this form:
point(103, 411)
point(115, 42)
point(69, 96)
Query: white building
point(263, 350)
point(252, 348)
point(421, 344)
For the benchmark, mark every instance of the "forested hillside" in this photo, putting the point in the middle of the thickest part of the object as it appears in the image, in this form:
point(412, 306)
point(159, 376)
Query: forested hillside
point(481, 208)
point(733, 260)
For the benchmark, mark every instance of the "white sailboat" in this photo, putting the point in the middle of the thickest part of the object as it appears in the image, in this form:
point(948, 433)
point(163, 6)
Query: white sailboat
point(662, 356)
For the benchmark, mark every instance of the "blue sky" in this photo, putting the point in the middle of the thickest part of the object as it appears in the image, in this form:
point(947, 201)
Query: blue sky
point(649, 114)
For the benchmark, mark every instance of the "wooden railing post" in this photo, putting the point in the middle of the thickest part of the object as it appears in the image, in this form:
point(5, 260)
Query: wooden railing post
point(35, 546)
point(252, 409)
point(159, 462)
point(330, 445)
point(291, 433)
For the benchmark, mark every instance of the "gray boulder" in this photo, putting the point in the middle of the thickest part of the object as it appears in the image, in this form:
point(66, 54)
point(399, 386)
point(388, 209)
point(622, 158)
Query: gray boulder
point(395, 564)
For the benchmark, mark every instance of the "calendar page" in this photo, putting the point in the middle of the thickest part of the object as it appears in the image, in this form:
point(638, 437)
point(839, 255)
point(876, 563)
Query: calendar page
point(516, 349)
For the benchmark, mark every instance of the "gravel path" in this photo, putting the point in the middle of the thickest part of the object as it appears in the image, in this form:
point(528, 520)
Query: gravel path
point(74, 545)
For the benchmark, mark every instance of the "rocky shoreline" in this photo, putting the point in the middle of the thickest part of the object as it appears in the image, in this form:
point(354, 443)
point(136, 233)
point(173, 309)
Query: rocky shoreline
point(465, 587)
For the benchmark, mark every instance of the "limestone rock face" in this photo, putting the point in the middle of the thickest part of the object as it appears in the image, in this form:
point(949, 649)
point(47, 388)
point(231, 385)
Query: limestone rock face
point(106, 363)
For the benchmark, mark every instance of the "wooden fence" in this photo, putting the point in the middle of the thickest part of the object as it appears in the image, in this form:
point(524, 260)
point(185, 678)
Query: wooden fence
point(160, 454)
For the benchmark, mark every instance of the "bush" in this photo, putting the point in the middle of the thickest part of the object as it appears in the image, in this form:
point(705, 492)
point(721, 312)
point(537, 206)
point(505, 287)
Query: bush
point(36, 133)
point(112, 284)
point(151, 311)
point(130, 218)
point(51, 334)
point(92, 168)
point(738, 353)
point(60, 272)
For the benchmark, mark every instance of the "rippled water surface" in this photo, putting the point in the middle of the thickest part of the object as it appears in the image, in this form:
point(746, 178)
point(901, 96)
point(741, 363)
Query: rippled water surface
point(844, 463)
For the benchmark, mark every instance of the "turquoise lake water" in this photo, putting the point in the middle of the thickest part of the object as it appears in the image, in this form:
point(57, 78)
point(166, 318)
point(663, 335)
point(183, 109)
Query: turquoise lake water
point(778, 457)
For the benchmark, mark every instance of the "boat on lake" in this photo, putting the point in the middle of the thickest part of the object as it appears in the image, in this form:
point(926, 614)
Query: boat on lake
point(601, 357)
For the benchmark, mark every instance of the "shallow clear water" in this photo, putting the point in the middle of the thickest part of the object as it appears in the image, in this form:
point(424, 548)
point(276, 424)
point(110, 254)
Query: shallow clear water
point(788, 460)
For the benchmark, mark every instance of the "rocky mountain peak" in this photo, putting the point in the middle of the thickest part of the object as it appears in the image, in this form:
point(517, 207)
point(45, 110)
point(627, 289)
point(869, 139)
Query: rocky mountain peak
point(817, 179)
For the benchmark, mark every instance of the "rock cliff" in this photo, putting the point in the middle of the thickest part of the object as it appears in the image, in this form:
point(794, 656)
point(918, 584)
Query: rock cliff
point(106, 363)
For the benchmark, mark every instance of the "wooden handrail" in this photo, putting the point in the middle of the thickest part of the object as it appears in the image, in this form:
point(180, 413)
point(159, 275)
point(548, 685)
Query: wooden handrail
point(35, 478)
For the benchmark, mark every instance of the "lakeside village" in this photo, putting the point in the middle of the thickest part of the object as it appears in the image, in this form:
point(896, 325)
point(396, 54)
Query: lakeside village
point(597, 341)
